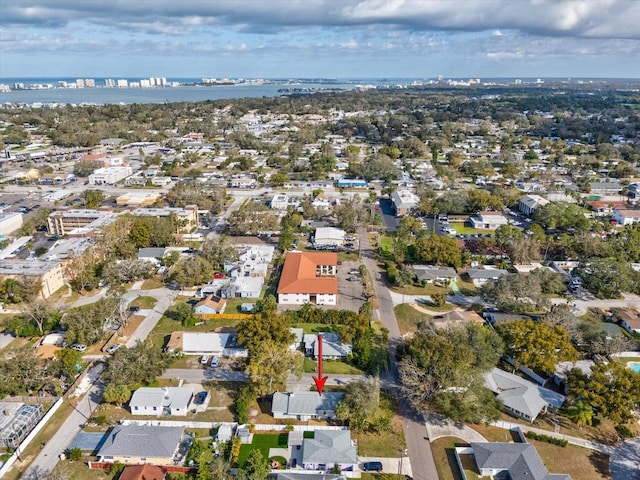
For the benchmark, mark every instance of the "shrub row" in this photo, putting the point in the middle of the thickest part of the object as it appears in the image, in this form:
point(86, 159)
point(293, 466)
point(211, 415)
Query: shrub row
point(546, 438)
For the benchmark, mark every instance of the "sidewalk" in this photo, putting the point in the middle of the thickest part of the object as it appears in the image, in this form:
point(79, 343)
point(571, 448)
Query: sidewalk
point(581, 442)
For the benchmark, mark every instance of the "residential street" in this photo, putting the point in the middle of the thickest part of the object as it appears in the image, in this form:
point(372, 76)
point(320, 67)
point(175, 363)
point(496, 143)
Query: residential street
point(48, 458)
point(419, 447)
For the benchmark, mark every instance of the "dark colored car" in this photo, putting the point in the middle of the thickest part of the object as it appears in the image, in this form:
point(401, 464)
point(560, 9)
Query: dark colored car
point(372, 466)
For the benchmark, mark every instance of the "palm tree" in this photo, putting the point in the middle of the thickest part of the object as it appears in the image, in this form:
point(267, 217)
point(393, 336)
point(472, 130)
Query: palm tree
point(581, 414)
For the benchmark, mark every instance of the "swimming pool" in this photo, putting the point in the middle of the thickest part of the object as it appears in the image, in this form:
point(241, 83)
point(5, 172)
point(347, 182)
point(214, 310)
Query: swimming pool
point(634, 366)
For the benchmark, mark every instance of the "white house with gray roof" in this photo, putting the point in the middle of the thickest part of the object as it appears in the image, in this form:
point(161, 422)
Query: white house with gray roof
point(161, 401)
point(137, 444)
point(483, 275)
point(528, 204)
point(329, 448)
point(517, 461)
point(332, 347)
point(434, 273)
point(305, 405)
point(520, 397)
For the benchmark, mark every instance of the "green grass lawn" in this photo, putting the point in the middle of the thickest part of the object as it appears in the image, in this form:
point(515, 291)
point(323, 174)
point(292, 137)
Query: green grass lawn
point(315, 327)
point(144, 302)
point(151, 284)
point(262, 442)
point(384, 444)
point(166, 326)
point(331, 366)
point(427, 290)
point(444, 457)
point(233, 304)
point(409, 318)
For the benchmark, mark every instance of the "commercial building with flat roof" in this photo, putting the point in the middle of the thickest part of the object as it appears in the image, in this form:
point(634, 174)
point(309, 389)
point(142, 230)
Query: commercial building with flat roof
point(9, 222)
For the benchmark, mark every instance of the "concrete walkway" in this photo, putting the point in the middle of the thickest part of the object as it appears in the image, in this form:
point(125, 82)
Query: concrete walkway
point(581, 442)
point(439, 426)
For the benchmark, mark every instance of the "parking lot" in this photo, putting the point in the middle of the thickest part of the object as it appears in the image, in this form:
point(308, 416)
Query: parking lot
point(350, 293)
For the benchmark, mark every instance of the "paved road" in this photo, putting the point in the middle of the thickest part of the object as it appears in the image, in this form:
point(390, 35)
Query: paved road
point(630, 300)
point(48, 458)
point(200, 375)
point(6, 338)
point(419, 447)
point(625, 461)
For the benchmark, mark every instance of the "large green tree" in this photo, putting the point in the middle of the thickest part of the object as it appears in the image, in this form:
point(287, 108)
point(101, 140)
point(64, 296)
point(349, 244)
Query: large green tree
point(537, 345)
point(449, 365)
point(611, 390)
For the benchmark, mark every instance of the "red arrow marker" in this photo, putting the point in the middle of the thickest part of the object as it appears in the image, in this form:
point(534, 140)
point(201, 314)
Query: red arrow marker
point(320, 380)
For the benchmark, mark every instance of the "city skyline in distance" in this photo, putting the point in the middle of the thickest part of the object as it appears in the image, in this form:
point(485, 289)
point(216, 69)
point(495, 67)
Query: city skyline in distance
point(321, 38)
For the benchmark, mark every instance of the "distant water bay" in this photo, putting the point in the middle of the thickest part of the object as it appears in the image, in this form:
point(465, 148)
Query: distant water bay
point(101, 96)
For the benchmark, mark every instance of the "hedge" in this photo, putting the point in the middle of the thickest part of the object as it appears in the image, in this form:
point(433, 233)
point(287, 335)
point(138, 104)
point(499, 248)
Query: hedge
point(546, 438)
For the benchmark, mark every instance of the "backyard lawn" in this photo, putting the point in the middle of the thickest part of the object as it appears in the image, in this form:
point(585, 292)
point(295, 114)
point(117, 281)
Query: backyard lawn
point(331, 367)
point(262, 442)
point(166, 326)
point(384, 444)
point(409, 318)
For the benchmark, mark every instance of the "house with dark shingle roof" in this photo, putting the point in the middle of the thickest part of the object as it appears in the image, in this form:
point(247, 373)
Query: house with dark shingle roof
point(309, 278)
point(329, 448)
point(516, 461)
point(136, 444)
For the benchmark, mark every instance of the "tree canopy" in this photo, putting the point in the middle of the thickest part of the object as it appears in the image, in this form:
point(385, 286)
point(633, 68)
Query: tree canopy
point(536, 345)
point(444, 370)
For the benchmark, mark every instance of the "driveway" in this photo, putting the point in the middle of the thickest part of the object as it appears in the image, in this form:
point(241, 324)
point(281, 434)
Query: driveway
point(199, 375)
point(624, 463)
point(390, 465)
point(439, 426)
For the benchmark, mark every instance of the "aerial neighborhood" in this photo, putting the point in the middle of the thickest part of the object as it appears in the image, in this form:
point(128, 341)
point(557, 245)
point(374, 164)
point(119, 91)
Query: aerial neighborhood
point(463, 265)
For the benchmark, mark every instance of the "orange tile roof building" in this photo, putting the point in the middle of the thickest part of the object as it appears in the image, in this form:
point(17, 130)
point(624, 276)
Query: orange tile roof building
point(309, 278)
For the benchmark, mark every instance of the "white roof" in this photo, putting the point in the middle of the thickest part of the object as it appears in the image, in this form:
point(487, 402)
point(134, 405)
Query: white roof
point(204, 342)
point(329, 233)
point(170, 397)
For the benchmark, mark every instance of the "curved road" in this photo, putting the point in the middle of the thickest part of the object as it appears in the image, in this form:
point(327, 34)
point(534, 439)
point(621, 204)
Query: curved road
point(415, 432)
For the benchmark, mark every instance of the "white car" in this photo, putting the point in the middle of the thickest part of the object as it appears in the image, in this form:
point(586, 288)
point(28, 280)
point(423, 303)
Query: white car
point(112, 349)
point(215, 361)
point(204, 359)
point(78, 347)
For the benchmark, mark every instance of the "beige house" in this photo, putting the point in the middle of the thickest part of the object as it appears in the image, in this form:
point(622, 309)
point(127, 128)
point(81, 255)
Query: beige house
point(48, 272)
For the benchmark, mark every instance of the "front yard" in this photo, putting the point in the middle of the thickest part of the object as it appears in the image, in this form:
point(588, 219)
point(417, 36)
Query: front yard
point(409, 318)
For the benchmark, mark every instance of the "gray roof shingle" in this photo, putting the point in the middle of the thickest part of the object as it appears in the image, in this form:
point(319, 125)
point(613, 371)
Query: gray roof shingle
point(141, 441)
point(329, 447)
point(521, 460)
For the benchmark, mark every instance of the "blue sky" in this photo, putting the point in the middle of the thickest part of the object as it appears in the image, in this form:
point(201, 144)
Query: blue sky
point(320, 38)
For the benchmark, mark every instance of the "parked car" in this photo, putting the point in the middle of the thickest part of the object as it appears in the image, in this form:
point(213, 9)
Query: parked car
point(353, 279)
point(215, 361)
point(79, 347)
point(372, 466)
point(354, 272)
point(112, 349)
point(204, 359)
point(218, 275)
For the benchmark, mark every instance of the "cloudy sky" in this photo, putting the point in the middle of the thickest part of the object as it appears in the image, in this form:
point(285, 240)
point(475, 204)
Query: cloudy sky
point(320, 38)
